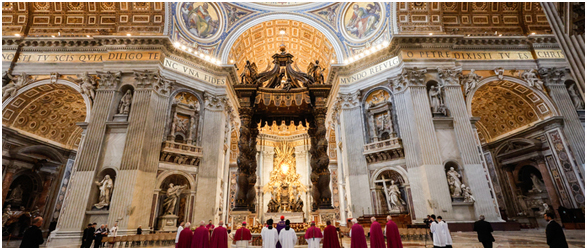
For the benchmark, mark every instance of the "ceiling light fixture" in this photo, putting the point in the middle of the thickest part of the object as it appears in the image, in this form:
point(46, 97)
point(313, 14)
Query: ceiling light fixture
point(231, 61)
point(18, 35)
point(128, 34)
point(176, 44)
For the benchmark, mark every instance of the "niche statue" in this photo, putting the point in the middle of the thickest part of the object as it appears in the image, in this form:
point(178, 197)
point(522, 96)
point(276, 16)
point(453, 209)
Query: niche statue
point(105, 187)
point(173, 193)
point(124, 104)
point(454, 182)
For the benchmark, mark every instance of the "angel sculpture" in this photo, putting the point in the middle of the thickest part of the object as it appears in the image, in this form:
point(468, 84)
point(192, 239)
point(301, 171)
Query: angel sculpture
point(17, 82)
point(249, 73)
point(470, 81)
point(530, 77)
point(315, 72)
point(87, 84)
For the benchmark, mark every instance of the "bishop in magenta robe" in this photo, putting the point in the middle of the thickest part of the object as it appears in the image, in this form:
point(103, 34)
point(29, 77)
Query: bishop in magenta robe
point(394, 240)
point(201, 237)
point(376, 235)
point(330, 236)
point(219, 237)
point(185, 237)
point(357, 234)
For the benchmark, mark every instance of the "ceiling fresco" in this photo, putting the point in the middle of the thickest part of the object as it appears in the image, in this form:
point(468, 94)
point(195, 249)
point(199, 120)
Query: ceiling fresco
point(214, 29)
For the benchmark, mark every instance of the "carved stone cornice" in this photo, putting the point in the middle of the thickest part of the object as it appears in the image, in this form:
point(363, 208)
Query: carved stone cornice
point(108, 80)
point(552, 76)
point(349, 101)
point(449, 76)
point(214, 103)
point(147, 79)
point(408, 77)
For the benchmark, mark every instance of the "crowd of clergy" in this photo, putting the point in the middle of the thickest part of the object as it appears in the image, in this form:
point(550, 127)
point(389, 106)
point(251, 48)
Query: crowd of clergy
point(283, 236)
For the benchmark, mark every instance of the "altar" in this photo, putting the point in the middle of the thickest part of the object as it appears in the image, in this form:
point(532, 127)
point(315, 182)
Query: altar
point(293, 217)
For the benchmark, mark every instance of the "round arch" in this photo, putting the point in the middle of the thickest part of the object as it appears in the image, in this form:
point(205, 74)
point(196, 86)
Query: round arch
point(516, 80)
point(70, 84)
point(330, 36)
point(168, 173)
point(403, 173)
point(369, 92)
point(40, 149)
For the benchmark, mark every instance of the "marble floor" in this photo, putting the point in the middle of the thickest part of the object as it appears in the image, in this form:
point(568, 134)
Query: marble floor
point(527, 238)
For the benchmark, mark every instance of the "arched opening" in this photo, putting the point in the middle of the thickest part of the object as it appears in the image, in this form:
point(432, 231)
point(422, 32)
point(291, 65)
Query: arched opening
point(49, 111)
point(23, 194)
point(123, 103)
point(102, 188)
point(506, 107)
point(390, 193)
point(174, 198)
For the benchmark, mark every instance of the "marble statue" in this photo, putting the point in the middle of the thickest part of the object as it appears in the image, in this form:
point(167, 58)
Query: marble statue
point(36, 212)
point(124, 104)
point(173, 193)
point(577, 100)
point(394, 196)
point(316, 72)
point(437, 100)
point(536, 184)
point(174, 124)
point(467, 194)
point(533, 81)
point(87, 85)
point(17, 82)
point(105, 187)
point(499, 73)
point(16, 195)
point(471, 81)
point(454, 182)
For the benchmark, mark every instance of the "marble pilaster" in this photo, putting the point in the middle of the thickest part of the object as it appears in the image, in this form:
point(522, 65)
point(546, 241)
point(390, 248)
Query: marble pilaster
point(352, 141)
point(472, 165)
point(210, 175)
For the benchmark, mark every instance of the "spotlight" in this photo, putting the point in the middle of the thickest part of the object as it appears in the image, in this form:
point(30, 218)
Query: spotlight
point(429, 34)
point(190, 50)
point(331, 61)
point(176, 44)
point(282, 32)
point(87, 35)
point(53, 36)
point(207, 58)
point(128, 34)
point(372, 49)
point(346, 61)
point(183, 47)
point(499, 34)
point(533, 33)
point(231, 61)
point(18, 35)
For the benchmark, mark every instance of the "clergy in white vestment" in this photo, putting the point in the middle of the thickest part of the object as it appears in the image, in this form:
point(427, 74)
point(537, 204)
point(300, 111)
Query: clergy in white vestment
point(179, 229)
point(288, 237)
point(437, 231)
point(313, 236)
point(269, 235)
point(446, 232)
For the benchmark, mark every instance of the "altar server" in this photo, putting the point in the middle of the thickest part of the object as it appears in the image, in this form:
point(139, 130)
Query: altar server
point(288, 237)
point(269, 235)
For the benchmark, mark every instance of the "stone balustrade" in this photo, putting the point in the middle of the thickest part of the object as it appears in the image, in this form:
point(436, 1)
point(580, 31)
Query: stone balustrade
point(181, 153)
point(383, 150)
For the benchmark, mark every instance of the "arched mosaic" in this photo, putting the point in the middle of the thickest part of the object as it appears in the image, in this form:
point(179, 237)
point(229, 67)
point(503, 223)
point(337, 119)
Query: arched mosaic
point(361, 20)
point(202, 21)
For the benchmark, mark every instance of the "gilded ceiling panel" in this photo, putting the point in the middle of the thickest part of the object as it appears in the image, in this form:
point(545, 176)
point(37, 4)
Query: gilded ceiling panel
point(83, 18)
point(504, 107)
point(261, 41)
point(48, 111)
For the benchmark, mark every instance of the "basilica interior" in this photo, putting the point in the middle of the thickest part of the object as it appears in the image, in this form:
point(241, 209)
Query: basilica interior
point(151, 114)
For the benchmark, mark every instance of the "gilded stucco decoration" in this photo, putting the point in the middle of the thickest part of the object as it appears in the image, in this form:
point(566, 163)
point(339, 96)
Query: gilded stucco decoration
point(282, 129)
point(260, 42)
point(49, 112)
point(505, 107)
point(473, 18)
point(83, 18)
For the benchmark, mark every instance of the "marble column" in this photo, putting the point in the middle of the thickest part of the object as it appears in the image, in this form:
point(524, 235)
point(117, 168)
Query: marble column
point(209, 174)
point(352, 141)
point(548, 183)
point(477, 176)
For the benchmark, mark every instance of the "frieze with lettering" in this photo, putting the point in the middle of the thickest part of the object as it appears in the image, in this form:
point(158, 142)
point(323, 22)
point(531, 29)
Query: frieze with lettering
point(83, 57)
point(480, 55)
point(371, 71)
point(190, 71)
